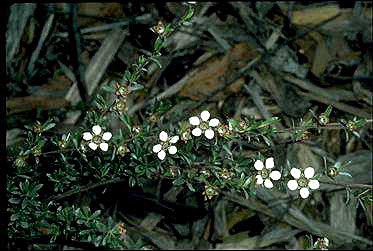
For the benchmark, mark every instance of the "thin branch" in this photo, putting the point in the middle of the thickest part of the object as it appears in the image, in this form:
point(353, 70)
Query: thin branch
point(352, 185)
point(85, 188)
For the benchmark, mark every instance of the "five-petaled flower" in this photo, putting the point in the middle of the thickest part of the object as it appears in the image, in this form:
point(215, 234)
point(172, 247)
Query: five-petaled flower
point(97, 138)
point(303, 181)
point(203, 125)
point(265, 174)
point(165, 144)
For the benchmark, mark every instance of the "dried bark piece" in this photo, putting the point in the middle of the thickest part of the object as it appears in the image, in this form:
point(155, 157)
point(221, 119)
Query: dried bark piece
point(322, 57)
point(47, 96)
point(286, 60)
point(22, 104)
point(315, 15)
point(210, 76)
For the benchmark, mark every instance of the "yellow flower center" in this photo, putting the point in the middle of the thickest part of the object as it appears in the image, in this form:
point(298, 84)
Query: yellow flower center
point(96, 139)
point(204, 125)
point(302, 182)
point(264, 173)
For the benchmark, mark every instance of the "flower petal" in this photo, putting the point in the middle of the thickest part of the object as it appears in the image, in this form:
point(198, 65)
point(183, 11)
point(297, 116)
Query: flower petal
point(163, 136)
point(92, 145)
point(309, 172)
point(275, 175)
point(104, 146)
point(314, 184)
point(174, 139)
point(172, 149)
point(258, 165)
point(197, 132)
point(96, 129)
point(209, 133)
point(87, 136)
point(214, 122)
point(194, 121)
point(157, 148)
point(230, 126)
point(205, 115)
point(295, 172)
point(259, 179)
point(106, 136)
point(269, 163)
point(162, 155)
point(304, 193)
point(292, 185)
point(268, 183)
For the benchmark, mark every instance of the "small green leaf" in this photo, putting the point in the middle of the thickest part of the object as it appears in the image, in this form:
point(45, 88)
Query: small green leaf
point(267, 140)
point(49, 126)
point(328, 111)
point(136, 87)
point(247, 182)
point(37, 188)
point(345, 174)
point(96, 213)
point(225, 147)
point(269, 121)
point(14, 217)
point(157, 62)
point(14, 201)
point(190, 13)
point(191, 188)
point(108, 88)
point(158, 43)
point(178, 181)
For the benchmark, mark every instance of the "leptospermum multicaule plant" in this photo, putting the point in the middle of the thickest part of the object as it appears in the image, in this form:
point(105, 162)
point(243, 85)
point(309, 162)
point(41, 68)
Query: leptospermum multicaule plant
point(219, 167)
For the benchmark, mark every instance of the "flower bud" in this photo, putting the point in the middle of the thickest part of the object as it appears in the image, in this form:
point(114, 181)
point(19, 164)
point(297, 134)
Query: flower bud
point(122, 150)
point(21, 161)
point(323, 119)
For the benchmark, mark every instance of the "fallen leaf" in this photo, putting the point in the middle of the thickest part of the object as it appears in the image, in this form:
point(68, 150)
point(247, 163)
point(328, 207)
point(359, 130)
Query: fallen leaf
point(322, 57)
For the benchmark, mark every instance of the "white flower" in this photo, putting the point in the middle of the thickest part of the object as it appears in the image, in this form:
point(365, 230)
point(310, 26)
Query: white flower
point(321, 244)
point(303, 181)
point(264, 174)
point(97, 138)
point(203, 125)
point(165, 145)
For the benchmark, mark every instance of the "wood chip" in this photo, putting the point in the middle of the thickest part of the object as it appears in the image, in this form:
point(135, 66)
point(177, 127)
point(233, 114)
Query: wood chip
point(322, 57)
point(315, 15)
point(22, 104)
point(210, 76)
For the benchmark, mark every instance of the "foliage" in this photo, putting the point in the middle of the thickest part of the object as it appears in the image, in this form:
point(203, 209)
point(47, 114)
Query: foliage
point(214, 160)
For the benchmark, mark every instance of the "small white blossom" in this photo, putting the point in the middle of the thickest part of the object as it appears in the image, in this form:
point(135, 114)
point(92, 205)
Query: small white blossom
point(321, 244)
point(97, 138)
point(264, 174)
point(165, 145)
point(303, 181)
point(203, 125)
